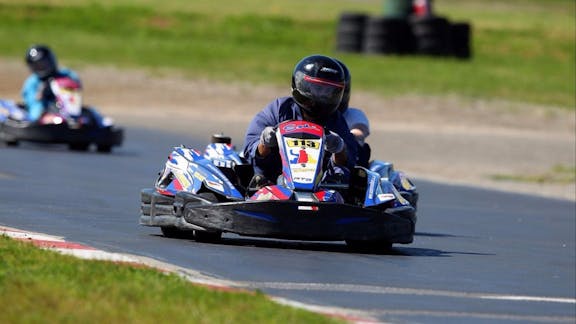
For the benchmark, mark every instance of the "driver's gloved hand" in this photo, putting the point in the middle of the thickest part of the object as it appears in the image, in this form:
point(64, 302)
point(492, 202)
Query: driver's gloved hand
point(334, 143)
point(268, 137)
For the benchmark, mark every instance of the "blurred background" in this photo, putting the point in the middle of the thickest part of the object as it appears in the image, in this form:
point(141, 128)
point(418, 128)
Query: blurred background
point(499, 98)
point(523, 50)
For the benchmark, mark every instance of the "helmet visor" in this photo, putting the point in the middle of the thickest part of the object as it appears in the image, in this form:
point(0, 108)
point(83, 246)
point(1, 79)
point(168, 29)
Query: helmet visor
point(44, 67)
point(318, 96)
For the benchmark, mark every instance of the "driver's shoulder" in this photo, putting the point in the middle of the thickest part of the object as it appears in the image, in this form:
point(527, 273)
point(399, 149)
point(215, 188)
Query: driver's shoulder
point(67, 72)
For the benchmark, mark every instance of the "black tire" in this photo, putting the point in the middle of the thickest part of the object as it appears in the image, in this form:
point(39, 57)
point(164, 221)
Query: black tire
point(208, 236)
point(173, 232)
point(220, 138)
point(431, 35)
point(460, 40)
point(385, 35)
point(79, 147)
point(350, 32)
point(429, 26)
point(369, 246)
point(104, 148)
point(9, 140)
point(432, 46)
point(152, 202)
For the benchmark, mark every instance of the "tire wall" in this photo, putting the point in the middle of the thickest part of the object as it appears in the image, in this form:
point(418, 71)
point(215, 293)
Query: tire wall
point(412, 35)
point(350, 32)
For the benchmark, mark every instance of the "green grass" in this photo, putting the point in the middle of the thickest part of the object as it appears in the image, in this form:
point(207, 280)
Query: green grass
point(524, 50)
point(559, 174)
point(38, 286)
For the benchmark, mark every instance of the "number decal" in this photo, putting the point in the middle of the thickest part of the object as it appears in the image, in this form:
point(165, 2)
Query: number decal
point(302, 143)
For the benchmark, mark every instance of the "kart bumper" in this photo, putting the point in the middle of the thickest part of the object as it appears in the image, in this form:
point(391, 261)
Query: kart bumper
point(297, 220)
point(18, 131)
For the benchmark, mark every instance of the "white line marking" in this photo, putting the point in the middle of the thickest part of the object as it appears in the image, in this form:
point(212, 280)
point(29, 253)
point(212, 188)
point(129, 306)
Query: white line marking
point(468, 315)
point(402, 291)
point(350, 315)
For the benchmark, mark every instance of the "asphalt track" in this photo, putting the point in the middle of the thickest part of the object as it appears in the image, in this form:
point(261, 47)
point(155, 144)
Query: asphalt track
point(479, 255)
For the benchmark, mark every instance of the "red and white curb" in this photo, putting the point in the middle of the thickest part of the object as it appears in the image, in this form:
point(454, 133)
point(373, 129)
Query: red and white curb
point(82, 251)
point(60, 245)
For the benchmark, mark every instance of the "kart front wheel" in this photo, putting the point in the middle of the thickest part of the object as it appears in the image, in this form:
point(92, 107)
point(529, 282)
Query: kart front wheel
point(369, 246)
point(207, 237)
point(173, 232)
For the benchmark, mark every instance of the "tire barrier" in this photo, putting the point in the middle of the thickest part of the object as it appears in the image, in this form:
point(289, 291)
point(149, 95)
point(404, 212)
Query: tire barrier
point(351, 32)
point(385, 35)
point(431, 34)
point(461, 34)
point(416, 34)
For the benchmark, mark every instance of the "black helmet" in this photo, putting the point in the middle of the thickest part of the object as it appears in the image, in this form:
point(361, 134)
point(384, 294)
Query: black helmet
point(318, 85)
point(346, 95)
point(41, 60)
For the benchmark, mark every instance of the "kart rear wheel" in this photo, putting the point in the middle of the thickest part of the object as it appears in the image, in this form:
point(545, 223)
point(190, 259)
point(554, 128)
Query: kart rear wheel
point(12, 143)
point(104, 148)
point(80, 147)
point(369, 246)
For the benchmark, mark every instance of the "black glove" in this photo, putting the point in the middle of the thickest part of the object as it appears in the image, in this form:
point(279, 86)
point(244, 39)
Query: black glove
point(268, 137)
point(334, 143)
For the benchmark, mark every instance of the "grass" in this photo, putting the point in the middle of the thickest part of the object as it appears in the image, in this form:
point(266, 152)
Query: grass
point(524, 50)
point(559, 174)
point(38, 286)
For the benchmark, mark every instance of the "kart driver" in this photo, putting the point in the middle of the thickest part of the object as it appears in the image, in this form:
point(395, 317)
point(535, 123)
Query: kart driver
point(36, 90)
point(317, 89)
point(356, 119)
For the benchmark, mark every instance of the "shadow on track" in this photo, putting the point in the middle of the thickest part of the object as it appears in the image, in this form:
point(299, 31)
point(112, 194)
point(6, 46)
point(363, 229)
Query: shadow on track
point(332, 246)
point(63, 149)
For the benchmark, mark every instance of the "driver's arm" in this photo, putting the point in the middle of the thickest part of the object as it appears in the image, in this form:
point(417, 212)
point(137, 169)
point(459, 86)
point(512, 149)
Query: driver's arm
point(32, 96)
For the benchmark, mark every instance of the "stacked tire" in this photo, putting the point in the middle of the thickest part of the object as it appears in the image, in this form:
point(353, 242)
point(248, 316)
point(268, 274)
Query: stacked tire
point(386, 35)
point(460, 40)
point(432, 35)
point(350, 32)
point(422, 35)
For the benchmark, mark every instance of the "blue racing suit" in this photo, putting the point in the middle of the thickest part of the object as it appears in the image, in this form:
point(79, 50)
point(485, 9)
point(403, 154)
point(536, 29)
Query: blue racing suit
point(283, 109)
point(37, 94)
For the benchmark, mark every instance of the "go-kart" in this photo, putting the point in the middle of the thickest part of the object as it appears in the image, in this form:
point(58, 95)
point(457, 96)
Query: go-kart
point(66, 121)
point(201, 195)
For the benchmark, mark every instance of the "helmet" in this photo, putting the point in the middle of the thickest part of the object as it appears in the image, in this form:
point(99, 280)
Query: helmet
point(41, 60)
point(346, 95)
point(318, 85)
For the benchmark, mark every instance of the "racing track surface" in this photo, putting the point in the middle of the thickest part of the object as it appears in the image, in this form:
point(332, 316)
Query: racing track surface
point(479, 255)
